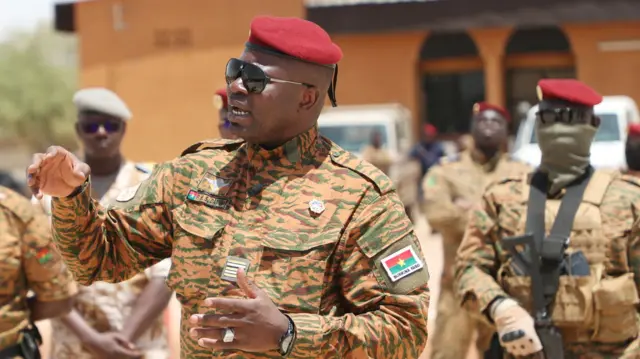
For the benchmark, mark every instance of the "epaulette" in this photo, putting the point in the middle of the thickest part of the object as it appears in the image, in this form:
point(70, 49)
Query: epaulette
point(145, 167)
point(366, 170)
point(455, 157)
point(215, 144)
point(17, 204)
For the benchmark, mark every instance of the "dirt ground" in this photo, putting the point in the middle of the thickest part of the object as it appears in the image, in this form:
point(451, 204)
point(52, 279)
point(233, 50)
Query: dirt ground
point(431, 246)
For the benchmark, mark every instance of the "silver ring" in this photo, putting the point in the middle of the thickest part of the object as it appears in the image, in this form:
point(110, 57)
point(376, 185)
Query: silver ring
point(229, 335)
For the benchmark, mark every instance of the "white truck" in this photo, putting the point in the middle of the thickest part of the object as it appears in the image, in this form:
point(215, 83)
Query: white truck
point(607, 150)
point(352, 126)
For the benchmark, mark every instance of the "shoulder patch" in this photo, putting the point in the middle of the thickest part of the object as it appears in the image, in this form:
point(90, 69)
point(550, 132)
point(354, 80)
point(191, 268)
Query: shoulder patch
point(145, 167)
point(368, 171)
point(17, 204)
point(218, 143)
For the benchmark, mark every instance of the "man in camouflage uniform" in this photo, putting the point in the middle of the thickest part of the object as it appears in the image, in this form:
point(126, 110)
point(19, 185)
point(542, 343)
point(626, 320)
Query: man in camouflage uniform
point(110, 319)
point(375, 154)
point(337, 267)
point(220, 102)
point(632, 150)
point(450, 188)
point(28, 262)
point(595, 311)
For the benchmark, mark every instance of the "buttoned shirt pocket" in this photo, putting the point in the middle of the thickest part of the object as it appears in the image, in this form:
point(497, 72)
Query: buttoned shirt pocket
point(10, 265)
point(196, 231)
point(294, 268)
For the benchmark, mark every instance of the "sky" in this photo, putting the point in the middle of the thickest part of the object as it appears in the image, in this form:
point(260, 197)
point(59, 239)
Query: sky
point(24, 13)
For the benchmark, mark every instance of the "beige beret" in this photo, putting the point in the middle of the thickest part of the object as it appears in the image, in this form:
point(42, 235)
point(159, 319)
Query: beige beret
point(101, 100)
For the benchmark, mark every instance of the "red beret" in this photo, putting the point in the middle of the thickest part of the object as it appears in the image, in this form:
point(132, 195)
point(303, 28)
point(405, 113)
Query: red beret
point(294, 37)
point(430, 129)
point(633, 130)
point(569, 90)
point(220, 98)
point(485, 106)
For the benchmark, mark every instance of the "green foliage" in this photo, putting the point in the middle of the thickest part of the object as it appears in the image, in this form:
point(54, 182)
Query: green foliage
point(38, 76)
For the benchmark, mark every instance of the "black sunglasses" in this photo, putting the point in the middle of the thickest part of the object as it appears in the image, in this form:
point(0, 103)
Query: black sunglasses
point(93, 127)
point(565, 115)
point(253, 77)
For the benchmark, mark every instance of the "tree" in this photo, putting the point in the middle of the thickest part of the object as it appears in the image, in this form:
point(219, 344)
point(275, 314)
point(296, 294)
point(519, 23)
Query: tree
point(38, 76)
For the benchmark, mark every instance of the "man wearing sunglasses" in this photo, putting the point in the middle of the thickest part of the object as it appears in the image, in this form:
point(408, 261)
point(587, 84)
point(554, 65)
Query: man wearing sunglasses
point(282, 242)
point(558, 245)
point(121, 320)
point(221, 103)
point(450, 189)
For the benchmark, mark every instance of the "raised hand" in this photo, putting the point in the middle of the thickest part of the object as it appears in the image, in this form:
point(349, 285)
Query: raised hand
point(56, 172)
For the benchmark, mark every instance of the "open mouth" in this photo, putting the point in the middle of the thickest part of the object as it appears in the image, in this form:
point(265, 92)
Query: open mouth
point(236, 111)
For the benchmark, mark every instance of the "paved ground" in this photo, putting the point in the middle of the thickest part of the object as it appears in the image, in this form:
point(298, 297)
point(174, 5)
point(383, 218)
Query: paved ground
point(431, 246)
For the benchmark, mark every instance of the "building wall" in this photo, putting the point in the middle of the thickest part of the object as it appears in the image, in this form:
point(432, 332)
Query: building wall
point(170, 88)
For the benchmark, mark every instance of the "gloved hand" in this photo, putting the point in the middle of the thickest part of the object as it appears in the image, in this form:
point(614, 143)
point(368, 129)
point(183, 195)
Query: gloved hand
point(516, 328)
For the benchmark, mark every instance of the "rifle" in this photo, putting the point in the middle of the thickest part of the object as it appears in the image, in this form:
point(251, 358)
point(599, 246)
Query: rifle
point(549, 335)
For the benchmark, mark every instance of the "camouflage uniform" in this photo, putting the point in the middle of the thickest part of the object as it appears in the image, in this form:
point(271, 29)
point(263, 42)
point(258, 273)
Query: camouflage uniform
point(312, 222)
point(105, 306)
point(596, 314)
point(28, 262)
point(458, 176)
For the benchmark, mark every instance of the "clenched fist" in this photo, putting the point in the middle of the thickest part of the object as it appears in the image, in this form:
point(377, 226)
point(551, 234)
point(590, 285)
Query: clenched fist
point(56, 172)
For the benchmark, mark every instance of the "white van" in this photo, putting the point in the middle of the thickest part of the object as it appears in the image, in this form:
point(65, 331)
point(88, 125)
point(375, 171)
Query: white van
point(351, 127)
point(607, 150)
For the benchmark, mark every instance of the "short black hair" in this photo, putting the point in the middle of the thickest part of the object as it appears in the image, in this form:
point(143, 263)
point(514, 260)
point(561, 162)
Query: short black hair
point(632, 153)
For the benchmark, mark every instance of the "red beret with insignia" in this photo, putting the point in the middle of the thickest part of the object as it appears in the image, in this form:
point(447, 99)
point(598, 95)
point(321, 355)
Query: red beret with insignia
point(430, 129)
point(220, 98)
point(633, 130)
point(569, 90)
point(485, 106)
point(294, 37)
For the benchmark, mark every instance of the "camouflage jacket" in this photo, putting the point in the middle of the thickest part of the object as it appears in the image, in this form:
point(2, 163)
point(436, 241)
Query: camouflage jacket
point(602, 230)
point(28, 262)
point(461, 176)
point(322, 232)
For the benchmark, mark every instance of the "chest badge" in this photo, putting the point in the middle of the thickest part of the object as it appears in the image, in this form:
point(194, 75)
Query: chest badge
point(316, 206)
point(230, 270)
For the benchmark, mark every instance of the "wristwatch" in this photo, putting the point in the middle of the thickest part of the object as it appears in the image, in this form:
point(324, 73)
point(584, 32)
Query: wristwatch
point(288, 339)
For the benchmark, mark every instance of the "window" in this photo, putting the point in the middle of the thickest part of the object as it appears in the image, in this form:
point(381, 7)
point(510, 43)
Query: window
point(450, 98)
point(353, 137)
point(608, 131)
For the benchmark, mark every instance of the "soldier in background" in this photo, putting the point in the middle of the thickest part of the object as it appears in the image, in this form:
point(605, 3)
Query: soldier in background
point(632, 150)
point(221, 104)
point(375, 154)
point(29, 263)
point(591, 261)
point(451, 188)
point(121, 320)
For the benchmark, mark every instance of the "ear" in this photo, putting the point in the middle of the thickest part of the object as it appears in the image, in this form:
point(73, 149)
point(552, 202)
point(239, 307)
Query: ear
point(309, 99)
point(77, 127)
point(596, 121)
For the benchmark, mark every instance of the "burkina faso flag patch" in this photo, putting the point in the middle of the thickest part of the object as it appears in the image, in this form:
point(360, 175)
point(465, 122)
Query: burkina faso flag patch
point(402, 263)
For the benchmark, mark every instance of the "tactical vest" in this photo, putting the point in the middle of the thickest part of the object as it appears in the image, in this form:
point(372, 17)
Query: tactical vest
point(596, 308)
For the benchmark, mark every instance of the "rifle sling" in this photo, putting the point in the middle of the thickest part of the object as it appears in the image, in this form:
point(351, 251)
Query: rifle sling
point(552, 247)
